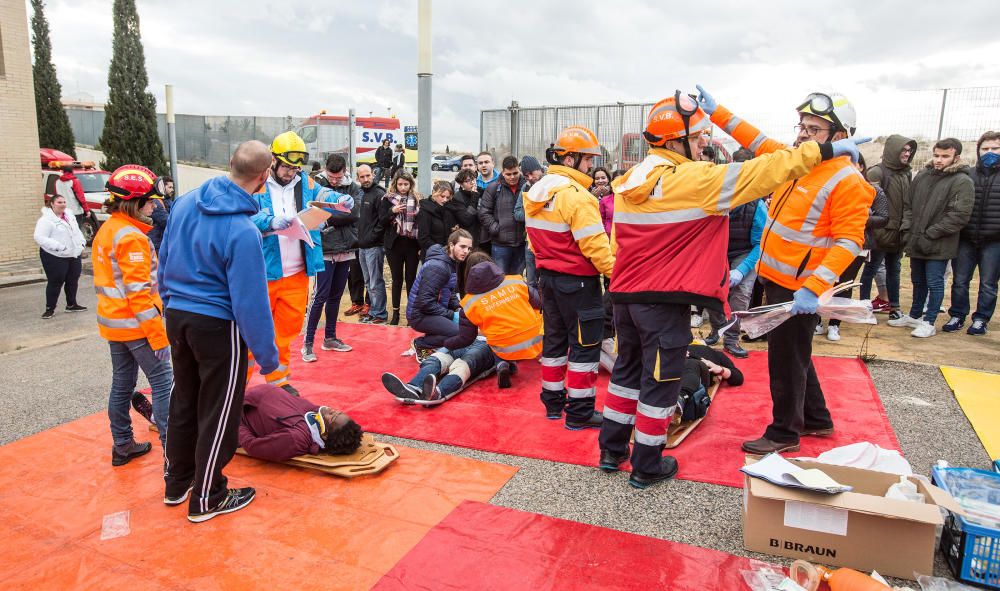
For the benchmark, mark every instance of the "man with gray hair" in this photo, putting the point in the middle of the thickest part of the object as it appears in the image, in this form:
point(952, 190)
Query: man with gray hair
point(214, 289)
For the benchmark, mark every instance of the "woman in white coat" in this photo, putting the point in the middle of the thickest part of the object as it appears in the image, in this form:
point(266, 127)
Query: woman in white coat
point(61, 242)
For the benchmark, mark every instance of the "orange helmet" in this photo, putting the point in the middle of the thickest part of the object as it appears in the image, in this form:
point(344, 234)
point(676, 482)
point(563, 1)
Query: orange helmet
point(576, 139)
point(673, 118)
point(131, 181)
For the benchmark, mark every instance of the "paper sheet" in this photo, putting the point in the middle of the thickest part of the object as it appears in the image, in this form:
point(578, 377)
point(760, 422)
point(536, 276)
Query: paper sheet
point(777, 470)
point(330, 207)
point(827, 520)
point(312, 217)
point(297, 231)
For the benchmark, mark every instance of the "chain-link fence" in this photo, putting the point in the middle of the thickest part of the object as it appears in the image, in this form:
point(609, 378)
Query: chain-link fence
point(925, 115)
point(204, 140)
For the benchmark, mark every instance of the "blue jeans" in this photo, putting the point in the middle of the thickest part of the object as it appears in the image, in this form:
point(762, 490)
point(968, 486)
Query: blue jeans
point(928, 286)
point(987, 258)
point(372, 268)
point(530, 271)
point(330, 283)
point(127, 357)
point(478, 356)
point(509, 258)
point(892, 267)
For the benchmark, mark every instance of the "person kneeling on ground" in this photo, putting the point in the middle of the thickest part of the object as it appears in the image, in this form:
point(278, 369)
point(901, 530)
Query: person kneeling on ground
point(505, 309)
point(432, 305)
point(278, 426)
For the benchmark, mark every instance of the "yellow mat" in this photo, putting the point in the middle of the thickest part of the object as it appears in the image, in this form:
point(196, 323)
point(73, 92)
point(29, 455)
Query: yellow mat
point(978, 393)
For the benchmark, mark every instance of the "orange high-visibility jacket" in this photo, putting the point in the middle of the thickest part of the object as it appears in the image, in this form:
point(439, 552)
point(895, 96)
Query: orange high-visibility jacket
point(513, 329)
point(128, 302)
point(816, 224)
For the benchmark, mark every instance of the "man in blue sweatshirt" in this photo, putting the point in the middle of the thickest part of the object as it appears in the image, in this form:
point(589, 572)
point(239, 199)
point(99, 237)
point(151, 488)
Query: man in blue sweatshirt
point(214, 289)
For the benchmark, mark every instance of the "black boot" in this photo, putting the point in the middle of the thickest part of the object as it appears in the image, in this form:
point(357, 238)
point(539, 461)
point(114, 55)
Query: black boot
point(592, 422)
point(610, 461)
point(668, 469)
point(395, 317)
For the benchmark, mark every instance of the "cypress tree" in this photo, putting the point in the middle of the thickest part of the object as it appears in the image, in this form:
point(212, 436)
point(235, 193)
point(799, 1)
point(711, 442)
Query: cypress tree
point(53, 123)
point(129, 135)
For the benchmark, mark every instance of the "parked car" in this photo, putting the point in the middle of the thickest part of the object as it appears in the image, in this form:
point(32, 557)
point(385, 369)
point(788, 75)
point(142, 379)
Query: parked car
point(445, 162)
point(92, 179)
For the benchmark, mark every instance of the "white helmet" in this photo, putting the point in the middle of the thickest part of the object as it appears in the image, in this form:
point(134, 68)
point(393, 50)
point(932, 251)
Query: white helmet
point(834, 107)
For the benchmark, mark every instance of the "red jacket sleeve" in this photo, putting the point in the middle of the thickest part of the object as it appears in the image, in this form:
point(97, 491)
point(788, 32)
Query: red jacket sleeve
point(80, 195)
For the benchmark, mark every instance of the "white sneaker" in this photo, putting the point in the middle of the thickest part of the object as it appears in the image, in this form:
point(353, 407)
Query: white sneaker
point(905, 320)
point(608, 354)
point(923, 330)
point(833, 333)
point(819, 329)
point(697, 320)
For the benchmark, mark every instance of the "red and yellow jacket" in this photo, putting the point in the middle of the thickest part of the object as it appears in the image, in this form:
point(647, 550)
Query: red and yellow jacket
point(564, 225)
point(128, 302)
point(816, 224)
point(671, 231)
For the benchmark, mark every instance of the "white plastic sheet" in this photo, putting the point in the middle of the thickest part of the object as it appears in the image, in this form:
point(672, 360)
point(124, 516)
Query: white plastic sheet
point(763, 319)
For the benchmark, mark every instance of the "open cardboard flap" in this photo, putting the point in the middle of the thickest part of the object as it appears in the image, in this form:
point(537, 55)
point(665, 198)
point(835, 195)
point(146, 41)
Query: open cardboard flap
point(676, 433)
point(868, 495)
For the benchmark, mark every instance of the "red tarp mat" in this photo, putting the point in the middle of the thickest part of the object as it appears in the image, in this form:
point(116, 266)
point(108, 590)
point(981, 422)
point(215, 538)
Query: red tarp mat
point(487, 547)
point(513, 421)
point(304, 530)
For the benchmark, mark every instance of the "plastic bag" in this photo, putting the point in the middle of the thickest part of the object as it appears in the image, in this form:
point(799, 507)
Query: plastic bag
point(977, 492)
point(929, 583)
point(867, 456)
point(115, 525)
point(763, 319)
point(763, 577)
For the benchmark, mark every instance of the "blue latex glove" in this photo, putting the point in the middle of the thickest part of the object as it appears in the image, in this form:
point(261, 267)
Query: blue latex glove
point(735, 276)
point(804, 302)
point(455, 317)
point(280, 222)
point(849, 147)
point(706, 101)
point(162, 354)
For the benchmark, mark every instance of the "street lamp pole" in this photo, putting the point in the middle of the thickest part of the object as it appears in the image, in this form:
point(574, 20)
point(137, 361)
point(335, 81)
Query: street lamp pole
point(424, 96)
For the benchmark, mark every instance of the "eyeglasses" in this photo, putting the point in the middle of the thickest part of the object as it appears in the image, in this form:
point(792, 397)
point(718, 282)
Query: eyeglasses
point(811, 130)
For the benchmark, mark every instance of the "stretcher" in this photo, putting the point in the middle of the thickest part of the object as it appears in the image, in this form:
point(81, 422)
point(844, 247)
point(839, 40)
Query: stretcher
point(442, 400)
point(679, 430)
point(371, 457)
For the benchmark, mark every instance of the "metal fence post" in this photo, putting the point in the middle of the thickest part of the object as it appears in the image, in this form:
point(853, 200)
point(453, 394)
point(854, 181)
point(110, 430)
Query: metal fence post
point(944, 102)
point(514, 130)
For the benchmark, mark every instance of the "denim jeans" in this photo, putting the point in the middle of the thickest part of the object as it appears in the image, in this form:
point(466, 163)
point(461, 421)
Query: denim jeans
point(928, 286)
point(127, 357)
point(987, 258)
point(478, 356)
point(330, 284)
point(509, 258)
point(893, 262)
point(739, 300)
point(530, 271)
point(372, 267)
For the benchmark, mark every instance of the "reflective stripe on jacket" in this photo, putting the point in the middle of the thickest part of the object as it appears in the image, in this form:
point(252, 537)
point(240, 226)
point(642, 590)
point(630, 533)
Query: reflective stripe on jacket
point(671, 233)
point(513, 329)
point(816, 224)
point(128, 301)
point(564, 225)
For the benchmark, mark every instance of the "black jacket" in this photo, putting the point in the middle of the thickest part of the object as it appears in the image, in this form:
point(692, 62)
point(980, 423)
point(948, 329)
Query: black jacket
point(387, 220)
point(371, 233)
point(936, 208)
point(878, 217)
point(984, 225)
point(434, 223)
point(465, 207)
point(496, 214)
point(383, 157)
point(341, 232)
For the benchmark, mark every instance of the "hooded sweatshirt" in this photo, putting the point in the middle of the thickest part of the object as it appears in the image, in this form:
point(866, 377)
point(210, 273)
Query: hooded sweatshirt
point(212, 263)
point(894, 178)
point(508, 319)
point(274, 425)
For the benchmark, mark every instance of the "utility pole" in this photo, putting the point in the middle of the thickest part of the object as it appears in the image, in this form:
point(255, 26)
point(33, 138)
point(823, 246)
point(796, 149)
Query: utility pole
point(424, 96)
point(352, 151)
point(172, 138)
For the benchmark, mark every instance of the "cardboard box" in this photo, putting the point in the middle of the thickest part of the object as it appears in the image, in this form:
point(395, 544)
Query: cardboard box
point(861, 529)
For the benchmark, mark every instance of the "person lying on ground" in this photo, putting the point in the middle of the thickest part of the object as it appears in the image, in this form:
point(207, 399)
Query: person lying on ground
point(445, 373)
point(504, 309)
point(278, 426)
point(432, 305)
point(702, 365)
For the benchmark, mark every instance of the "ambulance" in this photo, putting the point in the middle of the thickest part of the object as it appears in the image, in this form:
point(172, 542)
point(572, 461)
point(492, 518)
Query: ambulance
point(328, 134)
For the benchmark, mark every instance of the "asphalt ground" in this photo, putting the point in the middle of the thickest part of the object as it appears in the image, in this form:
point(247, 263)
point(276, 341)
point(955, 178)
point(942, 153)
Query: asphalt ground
point(58, 370)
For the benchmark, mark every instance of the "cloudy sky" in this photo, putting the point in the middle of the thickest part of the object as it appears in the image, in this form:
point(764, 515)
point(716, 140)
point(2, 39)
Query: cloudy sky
point(259, 57)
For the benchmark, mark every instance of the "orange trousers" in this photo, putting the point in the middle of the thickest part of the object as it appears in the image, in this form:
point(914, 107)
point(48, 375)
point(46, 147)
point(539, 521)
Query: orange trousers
point(289, 298)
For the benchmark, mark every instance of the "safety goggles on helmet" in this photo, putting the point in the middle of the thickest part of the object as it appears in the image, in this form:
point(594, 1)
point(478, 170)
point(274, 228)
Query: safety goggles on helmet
point(293, 158)
point(687, 106)
point(821, 105)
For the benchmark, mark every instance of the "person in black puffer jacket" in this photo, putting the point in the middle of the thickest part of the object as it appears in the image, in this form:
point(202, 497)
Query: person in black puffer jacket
point(467, 196)
point(437, 217)
point(432, 305)
point(979, 244)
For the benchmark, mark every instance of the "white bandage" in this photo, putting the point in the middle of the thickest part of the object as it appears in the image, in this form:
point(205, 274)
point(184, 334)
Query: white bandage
point(461, 369)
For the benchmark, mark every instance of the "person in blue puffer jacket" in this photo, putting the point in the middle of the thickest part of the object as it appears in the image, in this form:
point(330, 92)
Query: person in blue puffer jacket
point(432, 306)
